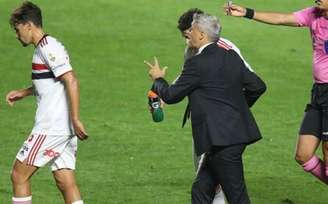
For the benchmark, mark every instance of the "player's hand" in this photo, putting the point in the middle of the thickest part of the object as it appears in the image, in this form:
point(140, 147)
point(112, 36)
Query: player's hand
point(80, 130)
point(155, 71)
point(234, 10)
point(15, 95)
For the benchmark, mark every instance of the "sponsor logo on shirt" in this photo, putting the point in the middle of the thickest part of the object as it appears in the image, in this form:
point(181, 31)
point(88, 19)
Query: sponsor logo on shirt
point(51, 153)
point(326, 46)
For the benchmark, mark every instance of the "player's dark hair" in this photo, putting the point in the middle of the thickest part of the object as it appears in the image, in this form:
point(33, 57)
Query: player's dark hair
point(25, 13)
point(186, 18)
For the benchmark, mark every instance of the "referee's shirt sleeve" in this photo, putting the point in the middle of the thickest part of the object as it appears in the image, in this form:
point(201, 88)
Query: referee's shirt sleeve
point(56, 58)
point(305, 17)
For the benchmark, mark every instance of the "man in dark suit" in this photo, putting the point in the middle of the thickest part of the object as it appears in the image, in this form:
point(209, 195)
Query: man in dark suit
point(220, 90)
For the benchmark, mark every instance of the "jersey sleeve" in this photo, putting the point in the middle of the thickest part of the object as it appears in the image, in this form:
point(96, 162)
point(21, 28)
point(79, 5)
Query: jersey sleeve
point(56, 58)
point(305, 17)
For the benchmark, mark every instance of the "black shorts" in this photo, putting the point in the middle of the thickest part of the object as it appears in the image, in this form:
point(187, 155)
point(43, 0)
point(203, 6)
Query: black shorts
point(315, 121)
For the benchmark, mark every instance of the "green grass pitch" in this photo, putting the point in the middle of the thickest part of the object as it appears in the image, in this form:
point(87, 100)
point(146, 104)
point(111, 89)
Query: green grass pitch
point(128, 158)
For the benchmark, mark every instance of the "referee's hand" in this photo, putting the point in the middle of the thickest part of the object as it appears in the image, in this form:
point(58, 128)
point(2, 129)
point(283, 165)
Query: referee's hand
point(234, 10)
point(80, 130)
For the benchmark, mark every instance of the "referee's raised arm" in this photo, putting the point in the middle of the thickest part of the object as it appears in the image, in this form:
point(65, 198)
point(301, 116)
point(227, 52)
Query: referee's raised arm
point(274, 18)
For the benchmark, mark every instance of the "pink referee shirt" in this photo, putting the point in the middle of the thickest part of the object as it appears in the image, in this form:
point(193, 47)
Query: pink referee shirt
point(310, 17)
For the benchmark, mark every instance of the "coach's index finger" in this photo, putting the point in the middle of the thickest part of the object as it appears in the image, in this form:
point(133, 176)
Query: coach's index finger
point(148, 63)
point(156, 61)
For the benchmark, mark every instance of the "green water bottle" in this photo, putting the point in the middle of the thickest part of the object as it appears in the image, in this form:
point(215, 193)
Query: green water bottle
point(154, 103)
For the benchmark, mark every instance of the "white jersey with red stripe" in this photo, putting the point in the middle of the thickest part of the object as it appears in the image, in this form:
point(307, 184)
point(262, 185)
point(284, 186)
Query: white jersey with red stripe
point(50, 61)
point(226, 44)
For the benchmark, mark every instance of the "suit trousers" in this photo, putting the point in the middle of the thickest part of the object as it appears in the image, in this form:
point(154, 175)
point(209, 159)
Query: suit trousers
point(224, 166)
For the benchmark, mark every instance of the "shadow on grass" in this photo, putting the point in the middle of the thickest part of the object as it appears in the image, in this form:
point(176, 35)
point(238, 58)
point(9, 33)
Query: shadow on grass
point(286, 188)
point(286, 201)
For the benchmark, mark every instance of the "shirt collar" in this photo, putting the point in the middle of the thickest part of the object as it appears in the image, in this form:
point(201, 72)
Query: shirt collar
point(202, 48)
point(44, 36)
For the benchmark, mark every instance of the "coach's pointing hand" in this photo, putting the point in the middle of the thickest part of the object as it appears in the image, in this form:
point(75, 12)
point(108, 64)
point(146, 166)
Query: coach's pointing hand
point(155, 71)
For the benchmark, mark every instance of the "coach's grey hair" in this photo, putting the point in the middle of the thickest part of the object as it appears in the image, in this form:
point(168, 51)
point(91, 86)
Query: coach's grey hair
point(209, 25)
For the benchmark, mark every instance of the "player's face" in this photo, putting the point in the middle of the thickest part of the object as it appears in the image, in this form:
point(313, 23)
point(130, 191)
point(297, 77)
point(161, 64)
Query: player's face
point(24, 33)
point(322, 4)
point(195, 36)
point(185, 35)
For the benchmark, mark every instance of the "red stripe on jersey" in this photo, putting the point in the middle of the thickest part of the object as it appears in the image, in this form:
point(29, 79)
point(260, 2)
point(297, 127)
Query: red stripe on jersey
point(223, 46)
point(39, 66)
point(38, 148)
point(33, 149)
point(224, 43)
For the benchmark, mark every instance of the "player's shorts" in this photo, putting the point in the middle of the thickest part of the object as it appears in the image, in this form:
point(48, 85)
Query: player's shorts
point(57, 151)
point(315, 121)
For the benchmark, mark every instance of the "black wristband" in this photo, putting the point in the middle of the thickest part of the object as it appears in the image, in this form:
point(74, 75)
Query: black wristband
point(249, 13)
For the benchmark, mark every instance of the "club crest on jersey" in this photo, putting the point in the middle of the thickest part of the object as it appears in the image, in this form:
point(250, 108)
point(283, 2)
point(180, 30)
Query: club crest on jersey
point(52, 58)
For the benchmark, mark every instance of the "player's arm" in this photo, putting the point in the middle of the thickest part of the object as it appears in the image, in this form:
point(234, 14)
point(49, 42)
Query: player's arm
point(16, 95)
point(73, 93)
point(273, 18)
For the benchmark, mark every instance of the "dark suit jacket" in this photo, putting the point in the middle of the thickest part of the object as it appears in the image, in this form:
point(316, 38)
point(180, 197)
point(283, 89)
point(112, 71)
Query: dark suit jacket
point(220, 90)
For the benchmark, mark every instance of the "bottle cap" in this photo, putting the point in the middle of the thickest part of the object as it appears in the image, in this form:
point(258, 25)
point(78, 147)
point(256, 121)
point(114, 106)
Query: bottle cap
point(152, 94)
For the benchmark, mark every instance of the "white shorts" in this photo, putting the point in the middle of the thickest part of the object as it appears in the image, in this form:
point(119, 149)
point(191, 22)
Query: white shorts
point(59, 151)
